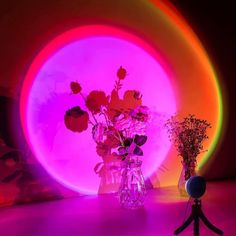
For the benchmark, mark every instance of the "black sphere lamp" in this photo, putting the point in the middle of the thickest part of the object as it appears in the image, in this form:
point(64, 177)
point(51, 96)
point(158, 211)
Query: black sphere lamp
point(196, 187)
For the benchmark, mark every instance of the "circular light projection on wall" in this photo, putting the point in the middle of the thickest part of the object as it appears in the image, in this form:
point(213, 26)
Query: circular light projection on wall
point(172, 71)
point(91, 55)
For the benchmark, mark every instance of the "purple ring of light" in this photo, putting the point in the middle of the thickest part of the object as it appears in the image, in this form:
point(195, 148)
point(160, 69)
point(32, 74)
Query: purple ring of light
point(92, 61)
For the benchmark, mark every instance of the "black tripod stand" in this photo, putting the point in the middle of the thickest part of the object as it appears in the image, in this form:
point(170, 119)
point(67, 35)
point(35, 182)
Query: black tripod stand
point(195, 215)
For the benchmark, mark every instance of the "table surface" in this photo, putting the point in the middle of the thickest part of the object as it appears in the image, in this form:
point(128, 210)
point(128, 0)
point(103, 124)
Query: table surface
point(164, 211)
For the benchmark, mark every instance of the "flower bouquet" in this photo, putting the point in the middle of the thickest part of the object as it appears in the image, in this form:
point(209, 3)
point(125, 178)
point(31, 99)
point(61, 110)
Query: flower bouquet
point(118, 128)
point(188, 136)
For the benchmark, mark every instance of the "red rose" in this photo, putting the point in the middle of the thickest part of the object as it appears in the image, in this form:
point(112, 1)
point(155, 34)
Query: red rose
point(75, 87)
point(95, 100)
point(121, 73)
point(76, 119)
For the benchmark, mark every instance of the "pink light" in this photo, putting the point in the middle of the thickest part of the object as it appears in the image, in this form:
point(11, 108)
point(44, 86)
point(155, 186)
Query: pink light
point(91, 55)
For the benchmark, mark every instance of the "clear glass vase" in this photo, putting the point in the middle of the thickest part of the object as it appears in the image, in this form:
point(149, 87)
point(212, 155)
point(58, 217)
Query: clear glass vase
point(132, 191)
point(185, 174)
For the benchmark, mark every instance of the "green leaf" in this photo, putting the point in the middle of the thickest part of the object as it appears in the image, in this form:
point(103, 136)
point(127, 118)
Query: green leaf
point(138, 151)
point(128, 142)
point(140, 139)
point(122, 151)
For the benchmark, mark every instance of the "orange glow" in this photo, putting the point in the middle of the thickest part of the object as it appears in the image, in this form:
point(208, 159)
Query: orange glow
point(197, 87)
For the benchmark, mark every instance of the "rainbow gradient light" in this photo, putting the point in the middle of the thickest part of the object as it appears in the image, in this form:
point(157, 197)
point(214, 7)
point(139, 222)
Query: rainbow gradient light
point(199, 90)
point(165, 61)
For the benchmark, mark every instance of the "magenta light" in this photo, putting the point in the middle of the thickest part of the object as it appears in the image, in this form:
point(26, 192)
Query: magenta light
point(91, 55)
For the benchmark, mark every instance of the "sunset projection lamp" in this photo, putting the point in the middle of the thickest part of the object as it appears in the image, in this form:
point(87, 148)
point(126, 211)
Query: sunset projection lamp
point(196, 187)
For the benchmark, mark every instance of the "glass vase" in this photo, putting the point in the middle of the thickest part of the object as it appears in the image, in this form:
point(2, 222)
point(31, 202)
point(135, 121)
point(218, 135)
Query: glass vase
point(185, 174)
point(132, 191)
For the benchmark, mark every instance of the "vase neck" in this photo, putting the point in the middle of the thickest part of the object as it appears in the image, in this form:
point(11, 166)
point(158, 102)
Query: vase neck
point(133, 161)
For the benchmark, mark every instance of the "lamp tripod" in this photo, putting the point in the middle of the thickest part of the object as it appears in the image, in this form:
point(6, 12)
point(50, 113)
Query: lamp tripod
point(197, 214)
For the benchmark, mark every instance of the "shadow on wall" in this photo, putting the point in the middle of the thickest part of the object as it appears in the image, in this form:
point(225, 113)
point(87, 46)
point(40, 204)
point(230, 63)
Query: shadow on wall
point(22, 179)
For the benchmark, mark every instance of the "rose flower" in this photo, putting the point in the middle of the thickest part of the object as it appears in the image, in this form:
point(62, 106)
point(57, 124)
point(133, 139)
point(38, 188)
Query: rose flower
point(121, 73)
point(95, 100)
point(75, 87)
point(76, 119)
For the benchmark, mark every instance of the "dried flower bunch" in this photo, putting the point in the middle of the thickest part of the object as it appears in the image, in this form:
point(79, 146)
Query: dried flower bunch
point(118, 124)
point(188, 136)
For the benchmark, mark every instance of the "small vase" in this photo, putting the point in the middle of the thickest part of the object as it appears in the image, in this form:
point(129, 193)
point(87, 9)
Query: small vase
point(186, 173)
point(132, 191)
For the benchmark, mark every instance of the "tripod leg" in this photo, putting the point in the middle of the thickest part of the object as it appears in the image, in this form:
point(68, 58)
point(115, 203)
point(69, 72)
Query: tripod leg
point(196, 226)
point(209, 224)
point(184, 225)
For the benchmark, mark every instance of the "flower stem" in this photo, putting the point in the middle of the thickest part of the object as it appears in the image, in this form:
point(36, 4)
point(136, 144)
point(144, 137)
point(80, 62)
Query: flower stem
point(105, 118)
point(90, 112)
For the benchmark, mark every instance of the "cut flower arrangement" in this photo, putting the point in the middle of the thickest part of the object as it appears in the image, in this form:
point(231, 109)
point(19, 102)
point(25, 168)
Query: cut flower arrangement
point(118, 124)
point(188, 136)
